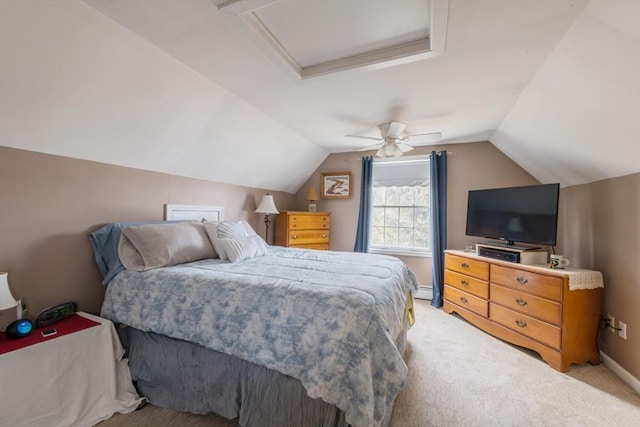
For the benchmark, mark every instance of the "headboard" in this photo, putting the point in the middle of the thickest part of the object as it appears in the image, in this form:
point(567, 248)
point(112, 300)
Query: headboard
point(193, 213)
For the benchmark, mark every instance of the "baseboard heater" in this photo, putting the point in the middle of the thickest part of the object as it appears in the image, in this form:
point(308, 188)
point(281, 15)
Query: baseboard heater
point(425, 292)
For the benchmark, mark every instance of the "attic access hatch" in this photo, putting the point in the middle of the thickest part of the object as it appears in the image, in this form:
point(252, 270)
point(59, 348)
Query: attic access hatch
point(315, 38)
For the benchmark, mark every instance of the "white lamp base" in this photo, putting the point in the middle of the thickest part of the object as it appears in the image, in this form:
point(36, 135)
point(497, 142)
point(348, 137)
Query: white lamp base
point(312, 207)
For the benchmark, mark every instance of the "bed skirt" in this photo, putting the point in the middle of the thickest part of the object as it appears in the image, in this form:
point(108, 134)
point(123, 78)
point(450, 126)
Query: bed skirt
point(187, 377)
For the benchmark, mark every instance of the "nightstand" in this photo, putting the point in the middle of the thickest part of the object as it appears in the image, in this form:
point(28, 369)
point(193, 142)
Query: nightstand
point(76, 377)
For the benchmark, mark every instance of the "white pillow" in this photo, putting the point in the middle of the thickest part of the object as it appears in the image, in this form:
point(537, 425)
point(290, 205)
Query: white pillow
point(244, 248)
point(235, 230)
point(228, 239)
point(211, 228)
point(227, 230)
point(144, 247)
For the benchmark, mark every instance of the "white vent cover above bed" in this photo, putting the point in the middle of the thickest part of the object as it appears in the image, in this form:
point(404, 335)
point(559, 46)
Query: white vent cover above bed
point(193, 213)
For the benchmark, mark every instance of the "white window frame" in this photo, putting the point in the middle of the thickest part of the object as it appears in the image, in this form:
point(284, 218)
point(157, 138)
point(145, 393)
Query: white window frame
point(392, 251)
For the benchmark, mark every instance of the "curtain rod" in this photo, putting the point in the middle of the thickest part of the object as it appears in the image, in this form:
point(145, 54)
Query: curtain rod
point(359, 159)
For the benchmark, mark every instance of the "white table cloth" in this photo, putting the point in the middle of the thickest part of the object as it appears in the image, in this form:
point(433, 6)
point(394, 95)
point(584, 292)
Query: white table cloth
point(77, 379)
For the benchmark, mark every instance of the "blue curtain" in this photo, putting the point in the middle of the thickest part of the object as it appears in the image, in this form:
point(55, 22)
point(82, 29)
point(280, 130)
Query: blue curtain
point(364, 215)
point(438, 163)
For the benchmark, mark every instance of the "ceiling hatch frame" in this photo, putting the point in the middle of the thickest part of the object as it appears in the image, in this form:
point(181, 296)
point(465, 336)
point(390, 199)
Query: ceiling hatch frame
point(432, 46)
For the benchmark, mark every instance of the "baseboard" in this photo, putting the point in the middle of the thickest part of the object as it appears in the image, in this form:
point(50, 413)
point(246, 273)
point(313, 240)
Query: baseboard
point(425, 292)
point(621, 372)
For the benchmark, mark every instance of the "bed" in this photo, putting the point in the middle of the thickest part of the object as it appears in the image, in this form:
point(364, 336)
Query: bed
point(278, 337)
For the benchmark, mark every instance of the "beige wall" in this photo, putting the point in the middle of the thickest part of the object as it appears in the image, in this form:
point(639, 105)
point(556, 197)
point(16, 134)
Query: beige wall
point(49, 204)
point(599, 229)
point(469, 166)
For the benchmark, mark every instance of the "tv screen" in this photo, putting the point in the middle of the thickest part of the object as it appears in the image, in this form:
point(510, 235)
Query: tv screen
point(527, 214)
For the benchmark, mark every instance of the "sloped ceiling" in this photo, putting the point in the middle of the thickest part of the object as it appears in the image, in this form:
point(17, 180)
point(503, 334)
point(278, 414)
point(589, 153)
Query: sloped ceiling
point(186, 88)
point(577, 120)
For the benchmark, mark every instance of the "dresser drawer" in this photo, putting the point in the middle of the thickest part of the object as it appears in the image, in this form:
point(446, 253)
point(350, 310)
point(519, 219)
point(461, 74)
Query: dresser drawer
point(303, 237)
point(526, 325)
point(466, 300)
point(540, 308)
point(317, 246)
point(533, 283)
point(471, 267)
point(467, 283)
point(309, 222)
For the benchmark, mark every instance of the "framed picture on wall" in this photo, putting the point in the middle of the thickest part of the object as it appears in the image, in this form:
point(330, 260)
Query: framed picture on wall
point(335, 185)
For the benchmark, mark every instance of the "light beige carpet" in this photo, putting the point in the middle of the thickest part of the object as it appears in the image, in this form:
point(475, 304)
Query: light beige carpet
point(461, 376)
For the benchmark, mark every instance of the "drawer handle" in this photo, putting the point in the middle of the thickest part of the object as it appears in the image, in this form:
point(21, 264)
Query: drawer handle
point(324, 235)
point(295, 237)
point(521, 323)
point(521, 302)
point(464, 282)
point(464, 300)
point(522, 280)
point(464, 265)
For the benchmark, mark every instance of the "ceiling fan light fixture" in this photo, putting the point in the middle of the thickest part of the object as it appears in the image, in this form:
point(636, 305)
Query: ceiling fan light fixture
point(389, 149)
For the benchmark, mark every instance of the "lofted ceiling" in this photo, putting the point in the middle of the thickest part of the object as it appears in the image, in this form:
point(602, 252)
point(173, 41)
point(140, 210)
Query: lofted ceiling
point(197, 87)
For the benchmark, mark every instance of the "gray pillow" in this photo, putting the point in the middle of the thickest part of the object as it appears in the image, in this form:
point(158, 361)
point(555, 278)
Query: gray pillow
point(150, 246)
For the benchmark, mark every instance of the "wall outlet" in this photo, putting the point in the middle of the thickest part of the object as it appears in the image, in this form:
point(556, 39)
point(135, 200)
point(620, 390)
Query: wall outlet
point(623, 330)
point(612, 323)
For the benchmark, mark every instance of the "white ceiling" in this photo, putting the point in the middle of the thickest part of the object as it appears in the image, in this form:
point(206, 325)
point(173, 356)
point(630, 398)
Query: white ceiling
point(552, 84)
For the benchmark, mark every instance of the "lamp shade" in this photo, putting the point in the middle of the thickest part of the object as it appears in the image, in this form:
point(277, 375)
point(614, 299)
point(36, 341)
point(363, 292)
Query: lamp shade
point(267, 206)
point(312, 195)
point(6, 299)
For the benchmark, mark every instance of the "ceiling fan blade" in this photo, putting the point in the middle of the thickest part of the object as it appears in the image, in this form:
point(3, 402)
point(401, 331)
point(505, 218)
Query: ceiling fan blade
point(391, 129)
point(365, 137)
point(404, 147)
point(425, 138)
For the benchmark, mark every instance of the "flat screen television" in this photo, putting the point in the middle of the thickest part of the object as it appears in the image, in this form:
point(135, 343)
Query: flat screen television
point(527, 214)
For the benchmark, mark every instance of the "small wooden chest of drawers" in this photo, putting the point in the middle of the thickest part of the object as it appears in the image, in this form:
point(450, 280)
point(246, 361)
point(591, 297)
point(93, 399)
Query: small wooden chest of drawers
point(529, 306)
point(300, 229)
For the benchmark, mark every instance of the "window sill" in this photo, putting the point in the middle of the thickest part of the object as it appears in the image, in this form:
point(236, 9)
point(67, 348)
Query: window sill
point(399, 252)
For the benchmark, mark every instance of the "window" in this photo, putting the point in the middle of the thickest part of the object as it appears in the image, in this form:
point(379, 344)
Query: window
point(401, 215)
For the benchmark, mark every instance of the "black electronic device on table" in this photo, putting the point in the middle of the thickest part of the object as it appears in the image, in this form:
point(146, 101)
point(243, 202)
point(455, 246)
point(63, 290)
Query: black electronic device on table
point(19, 329)
point(55, 313)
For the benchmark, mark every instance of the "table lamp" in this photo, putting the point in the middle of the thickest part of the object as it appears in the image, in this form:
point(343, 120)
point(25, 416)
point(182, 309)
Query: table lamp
point(312, 197)
point(6, 298)
point(267, 207)
point(18, 328)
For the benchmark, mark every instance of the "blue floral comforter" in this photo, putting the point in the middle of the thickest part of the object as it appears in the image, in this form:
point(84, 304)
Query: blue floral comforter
point(329, 319)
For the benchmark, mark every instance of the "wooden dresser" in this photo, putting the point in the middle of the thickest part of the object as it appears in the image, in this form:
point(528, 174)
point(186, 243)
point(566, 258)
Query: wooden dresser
point(301, 229)
point(530, 306)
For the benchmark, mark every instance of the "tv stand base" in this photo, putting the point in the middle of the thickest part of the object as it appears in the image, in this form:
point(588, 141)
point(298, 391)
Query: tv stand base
point(511, 246)
point(518, 254)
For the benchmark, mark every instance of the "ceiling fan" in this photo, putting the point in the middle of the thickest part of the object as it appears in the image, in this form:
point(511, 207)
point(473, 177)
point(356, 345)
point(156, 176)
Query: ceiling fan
point(392, 141)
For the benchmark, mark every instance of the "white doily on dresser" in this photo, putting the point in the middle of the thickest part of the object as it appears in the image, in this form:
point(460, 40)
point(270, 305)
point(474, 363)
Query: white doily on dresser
point(585, 279)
